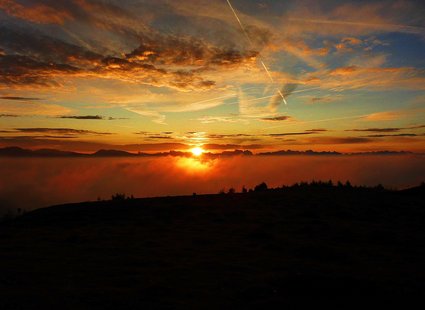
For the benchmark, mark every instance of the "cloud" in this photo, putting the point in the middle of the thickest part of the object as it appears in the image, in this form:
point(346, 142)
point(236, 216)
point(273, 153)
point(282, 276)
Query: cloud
point(8, 115)
point(394, 135)
point(19, 98)
point(177, 62)
point(290, 134)
point(376, 129)
point(17, 70)
point(222, 136)
point(173, 50)
point(277, 99)
point(212, 146)
point(221, 119)
point(323, 99)
point(164, 135)
point(338, 140)
point(35, 12)
point(317, 130)
point(64, 131)
point(387, 115)
point(383, 116)
point(83, 117)
point(32, 108)
point(277, 118)
point(372, 78)
point(389, 130)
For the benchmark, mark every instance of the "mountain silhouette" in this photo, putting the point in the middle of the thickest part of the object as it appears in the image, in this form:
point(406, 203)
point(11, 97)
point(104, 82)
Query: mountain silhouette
point(14, 151)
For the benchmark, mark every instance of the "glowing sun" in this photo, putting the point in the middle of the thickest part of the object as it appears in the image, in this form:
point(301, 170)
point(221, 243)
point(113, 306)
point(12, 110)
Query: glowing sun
point(197, 151)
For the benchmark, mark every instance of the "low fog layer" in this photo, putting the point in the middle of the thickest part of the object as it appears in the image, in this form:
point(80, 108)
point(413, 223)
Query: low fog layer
point(35, 183)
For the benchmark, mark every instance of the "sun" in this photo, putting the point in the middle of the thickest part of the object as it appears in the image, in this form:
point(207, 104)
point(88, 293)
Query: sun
point(197, 151)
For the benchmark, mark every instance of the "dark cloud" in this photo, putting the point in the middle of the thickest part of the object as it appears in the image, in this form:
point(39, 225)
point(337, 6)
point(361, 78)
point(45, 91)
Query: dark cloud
point(172, 50)
point(290, 134)
point(154, 137)
point(317, 130)
point(23, 70)
point(212, 146)
point(9, 115)
point(92, 12)
point(66, 131)
point(338, 140)
point(376, 129)
point(277, 118)
point(83, 117)
point(395, 135)
point(388, 129)
point(110, 118)
point(19, 98)
point(223, 136)
point(321, 99)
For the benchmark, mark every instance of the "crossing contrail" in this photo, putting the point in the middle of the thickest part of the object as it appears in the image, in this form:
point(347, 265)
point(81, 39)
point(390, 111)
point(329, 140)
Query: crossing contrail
point(250, 42)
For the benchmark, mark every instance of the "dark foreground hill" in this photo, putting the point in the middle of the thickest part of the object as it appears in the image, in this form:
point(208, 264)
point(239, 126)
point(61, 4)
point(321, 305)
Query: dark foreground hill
point(252, 250)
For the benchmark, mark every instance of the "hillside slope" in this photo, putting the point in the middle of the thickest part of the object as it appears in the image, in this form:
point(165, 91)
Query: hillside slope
point(248, 250)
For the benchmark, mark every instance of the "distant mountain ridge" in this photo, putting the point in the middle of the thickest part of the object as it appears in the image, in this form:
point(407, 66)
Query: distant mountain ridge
point(14, 151)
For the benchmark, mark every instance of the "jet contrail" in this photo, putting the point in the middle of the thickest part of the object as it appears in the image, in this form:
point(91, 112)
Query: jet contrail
point(250, 42)
point(250, 100)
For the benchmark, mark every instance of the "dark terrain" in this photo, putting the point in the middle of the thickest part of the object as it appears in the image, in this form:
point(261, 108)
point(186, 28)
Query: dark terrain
point(253, 250)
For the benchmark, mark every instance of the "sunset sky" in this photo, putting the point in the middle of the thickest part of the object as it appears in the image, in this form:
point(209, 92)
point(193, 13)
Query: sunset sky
point(160, 75)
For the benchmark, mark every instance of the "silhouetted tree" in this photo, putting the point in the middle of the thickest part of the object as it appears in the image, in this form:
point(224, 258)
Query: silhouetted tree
point(262, 187)
point(231, 190)
point(244, 190)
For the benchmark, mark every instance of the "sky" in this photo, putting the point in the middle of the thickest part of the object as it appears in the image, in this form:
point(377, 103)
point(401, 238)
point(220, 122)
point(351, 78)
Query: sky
point(161, 75)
